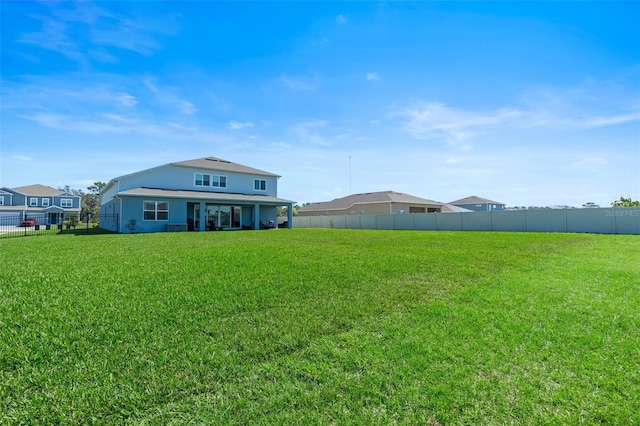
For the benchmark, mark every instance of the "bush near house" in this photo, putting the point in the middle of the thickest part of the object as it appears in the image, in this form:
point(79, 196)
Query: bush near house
point(320, 326)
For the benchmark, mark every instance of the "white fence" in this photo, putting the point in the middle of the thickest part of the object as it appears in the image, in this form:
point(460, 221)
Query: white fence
point(621, 220)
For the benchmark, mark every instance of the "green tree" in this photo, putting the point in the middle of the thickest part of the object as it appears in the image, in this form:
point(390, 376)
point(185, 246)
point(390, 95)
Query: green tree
point(625, 202)
point(284, 211)
point(91, 200)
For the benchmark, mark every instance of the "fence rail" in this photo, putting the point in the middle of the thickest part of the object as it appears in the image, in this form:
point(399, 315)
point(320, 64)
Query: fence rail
point(619, 220)
point(20, 225)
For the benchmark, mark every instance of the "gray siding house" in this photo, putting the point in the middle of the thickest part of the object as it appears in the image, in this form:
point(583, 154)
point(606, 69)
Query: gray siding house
point(45, 204)
point(372, 203)
point(197, 195)
point(478, 204)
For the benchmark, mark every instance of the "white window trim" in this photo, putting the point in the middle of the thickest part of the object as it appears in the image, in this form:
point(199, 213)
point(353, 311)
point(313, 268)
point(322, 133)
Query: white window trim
point(1, 200)
point(66, 203)
point(45, 202)
point(260, 185)
point(156, 211)
point(33, 202)
point(212, 178)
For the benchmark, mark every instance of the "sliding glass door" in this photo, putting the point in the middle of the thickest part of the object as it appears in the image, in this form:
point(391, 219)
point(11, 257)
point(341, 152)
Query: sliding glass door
point(224, 217)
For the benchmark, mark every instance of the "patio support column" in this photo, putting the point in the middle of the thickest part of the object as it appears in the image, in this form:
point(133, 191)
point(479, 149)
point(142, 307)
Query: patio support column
point(202, 226)
point(290, 216)
point(256, 216)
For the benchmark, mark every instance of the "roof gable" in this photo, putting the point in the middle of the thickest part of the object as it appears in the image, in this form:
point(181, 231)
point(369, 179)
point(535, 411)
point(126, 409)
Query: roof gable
point(214, 163)
point(474, 199)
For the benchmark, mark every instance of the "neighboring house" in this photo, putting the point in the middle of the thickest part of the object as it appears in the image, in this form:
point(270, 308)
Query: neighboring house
point(478, 204)
point(450, 208)
point(371, 203)
point(202, 194)
point(45, 204)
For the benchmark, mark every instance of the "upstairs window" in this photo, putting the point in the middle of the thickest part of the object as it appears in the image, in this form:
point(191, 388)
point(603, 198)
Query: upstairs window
point(260, 184)
point(203, 179)
point(45, 202)
point(33, 202)
point(219, 181)
point(66, 202)
point(1, 200)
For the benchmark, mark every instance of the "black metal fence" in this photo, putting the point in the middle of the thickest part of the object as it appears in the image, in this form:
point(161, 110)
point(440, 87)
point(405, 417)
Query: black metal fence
point(22, 225)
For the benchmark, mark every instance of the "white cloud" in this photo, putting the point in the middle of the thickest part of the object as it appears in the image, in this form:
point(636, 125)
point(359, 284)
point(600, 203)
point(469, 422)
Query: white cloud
point(436, 120)
point(235, 125)
point(21, 158)
point(187, 107)
point(115, 124)
point(82, 33)
point(309, 132)
point(589, 163)
point(126, 99)
point(169, 96)
point(372, 76)
point(340, 19)
point(608, 120)
point(297, 83)
point(281, 144)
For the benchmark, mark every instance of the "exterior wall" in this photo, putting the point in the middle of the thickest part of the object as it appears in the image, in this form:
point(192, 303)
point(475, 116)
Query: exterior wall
point(176, 177)
point(7, 198)
point(133, 215)
point(57, 200)
point(268, 213)
point(621, 220)
point(18, 200)
point(110, 210)
point(109, 194)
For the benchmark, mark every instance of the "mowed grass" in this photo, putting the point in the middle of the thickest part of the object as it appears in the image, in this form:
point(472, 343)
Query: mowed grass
point(320, 327)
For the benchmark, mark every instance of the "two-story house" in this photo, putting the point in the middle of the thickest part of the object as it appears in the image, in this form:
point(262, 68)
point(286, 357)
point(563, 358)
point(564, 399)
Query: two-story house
point(478, 204)
point(202, 194)
point(44, 204)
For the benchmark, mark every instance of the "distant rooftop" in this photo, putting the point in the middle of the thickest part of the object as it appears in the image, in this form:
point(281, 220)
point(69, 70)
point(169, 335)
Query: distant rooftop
point(38, 190)
point(474, 199)
point(368, 197)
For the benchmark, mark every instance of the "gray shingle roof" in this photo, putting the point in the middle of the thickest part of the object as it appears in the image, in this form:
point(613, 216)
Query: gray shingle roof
point(450, 208)
point(369, 197)
point(203, 195)
point(474, 199)
point(38, 190)
point(214, 163)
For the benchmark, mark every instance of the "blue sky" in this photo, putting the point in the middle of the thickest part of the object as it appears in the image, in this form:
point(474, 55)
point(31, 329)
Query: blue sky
point(527, 103)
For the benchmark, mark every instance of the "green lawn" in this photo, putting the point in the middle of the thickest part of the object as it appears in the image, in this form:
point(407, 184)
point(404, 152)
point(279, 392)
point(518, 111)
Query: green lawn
point(320, 326)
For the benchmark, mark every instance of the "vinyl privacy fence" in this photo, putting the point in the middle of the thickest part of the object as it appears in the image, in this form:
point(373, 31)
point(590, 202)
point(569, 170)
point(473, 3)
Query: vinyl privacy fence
point(621, 220)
